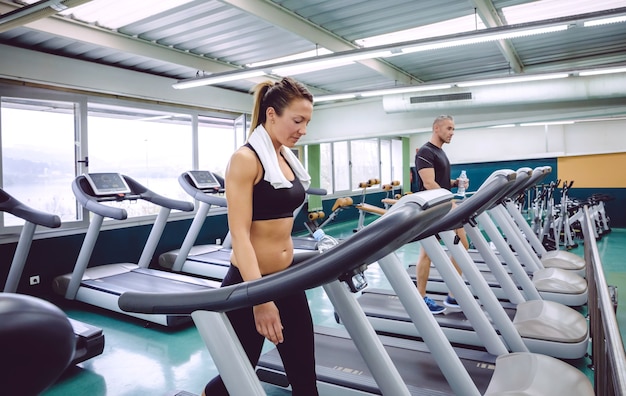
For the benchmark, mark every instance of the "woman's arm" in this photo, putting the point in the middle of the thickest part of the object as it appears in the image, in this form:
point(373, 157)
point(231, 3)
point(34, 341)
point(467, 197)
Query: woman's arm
point(241, 174)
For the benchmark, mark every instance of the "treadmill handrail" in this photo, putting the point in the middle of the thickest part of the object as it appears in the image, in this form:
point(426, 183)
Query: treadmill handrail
point(204, 196)
point(536, 175)
point(316, 191)
point(492, 190)
point(86, 197)
point(12, 205)
point(196, 193)
point(375, 241)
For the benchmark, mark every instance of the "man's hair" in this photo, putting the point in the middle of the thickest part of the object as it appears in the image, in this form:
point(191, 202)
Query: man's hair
point(442, 118)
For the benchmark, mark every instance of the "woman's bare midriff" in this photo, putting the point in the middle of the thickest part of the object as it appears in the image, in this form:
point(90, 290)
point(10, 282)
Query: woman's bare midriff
point(272, 243)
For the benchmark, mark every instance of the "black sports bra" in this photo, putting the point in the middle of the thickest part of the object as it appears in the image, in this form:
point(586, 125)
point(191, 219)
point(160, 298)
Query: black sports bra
point(275, 203)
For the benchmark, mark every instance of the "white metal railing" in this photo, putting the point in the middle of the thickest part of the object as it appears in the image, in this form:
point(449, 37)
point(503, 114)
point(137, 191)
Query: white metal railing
point(608, 357)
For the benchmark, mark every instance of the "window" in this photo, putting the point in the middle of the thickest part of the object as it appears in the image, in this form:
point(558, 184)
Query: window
point(152, 147)
point(216, 143)
point(38, 157)
point(386, 175)
point(343, 165)
point(365, 160)
point(397, 168)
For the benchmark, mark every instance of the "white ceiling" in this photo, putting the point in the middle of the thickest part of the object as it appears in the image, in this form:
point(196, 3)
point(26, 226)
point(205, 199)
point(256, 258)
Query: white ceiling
point(182, 39)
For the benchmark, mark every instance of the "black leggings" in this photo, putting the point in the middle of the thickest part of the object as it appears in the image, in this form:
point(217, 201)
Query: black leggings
point(296, 351)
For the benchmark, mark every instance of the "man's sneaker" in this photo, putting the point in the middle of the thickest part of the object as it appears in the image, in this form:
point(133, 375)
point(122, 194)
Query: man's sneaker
point(433, 306)
point(451, 302)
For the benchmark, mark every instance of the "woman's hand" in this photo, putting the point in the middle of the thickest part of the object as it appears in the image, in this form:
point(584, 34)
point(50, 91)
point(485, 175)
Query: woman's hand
point(267, 320)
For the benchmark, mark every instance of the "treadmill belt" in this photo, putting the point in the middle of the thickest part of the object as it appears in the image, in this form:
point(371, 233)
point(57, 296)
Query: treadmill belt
point(434, 276)
point(304, 243)
point(338, 362)
point(145, 281)
point(217, 257)
point(385, 304)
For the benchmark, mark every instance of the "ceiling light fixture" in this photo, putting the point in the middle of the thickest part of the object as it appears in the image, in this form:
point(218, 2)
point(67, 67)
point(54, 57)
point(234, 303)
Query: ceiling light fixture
point(380, 92)
point(324, 64)
point(393, 91)
point(329, 98)
point(515, 79)
point(605, 21)
point(546, 123)
point(220, 78)
point(483, 39)
point(602, 71)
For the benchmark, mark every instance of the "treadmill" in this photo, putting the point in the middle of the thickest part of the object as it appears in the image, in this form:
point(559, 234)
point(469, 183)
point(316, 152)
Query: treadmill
point(102, 285)
point(554, 284)
point(545, 327)
point(89, 339)
point(213, 260)
point(383, 365)
point(541, 257)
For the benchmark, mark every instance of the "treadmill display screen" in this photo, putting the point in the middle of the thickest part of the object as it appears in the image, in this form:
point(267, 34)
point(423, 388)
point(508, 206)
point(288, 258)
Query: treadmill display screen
point(107, 183)
point(203, 179)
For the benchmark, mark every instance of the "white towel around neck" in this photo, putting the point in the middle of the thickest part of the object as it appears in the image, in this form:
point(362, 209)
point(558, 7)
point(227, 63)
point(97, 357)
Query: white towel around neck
point(262, 144)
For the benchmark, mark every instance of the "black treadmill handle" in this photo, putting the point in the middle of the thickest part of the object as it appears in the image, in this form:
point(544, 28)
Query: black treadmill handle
point(316, 191)
point(85, 196)
point(12, 205)
point(185, 182)
point(380, 238)
point(157, 199)
point(491, 191)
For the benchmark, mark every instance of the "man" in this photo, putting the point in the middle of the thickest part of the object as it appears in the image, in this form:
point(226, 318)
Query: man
point(433, 170)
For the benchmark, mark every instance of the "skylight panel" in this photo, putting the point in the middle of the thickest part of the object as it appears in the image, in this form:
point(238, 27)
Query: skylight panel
point(547, 9)
point(466, 23)
point(113, 14)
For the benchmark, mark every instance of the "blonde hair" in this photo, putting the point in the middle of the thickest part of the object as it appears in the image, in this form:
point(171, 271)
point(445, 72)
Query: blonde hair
point(276, 95)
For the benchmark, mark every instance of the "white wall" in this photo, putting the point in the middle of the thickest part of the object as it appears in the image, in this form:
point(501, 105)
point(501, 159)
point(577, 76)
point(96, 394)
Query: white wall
point(473, 142)
point(524, 142)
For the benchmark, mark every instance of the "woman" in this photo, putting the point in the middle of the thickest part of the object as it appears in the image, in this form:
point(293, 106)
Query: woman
point(264, 184)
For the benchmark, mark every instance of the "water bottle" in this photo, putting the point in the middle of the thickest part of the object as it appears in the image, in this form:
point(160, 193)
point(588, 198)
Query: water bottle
point(462, 181)
point(324, 242)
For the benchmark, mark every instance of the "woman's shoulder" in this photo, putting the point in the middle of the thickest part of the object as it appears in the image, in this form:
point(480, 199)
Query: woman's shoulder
point(244, 163)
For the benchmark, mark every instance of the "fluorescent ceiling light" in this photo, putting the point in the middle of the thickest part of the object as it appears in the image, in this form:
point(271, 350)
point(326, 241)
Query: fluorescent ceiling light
point(197, 82)
point(502, 126)
point(512, 80)
point(546, 123)
point(551, 9)
point(381, 92)
point(602, 71)
point(328, 98)
point(328, 63)
point(462, 24)
point(301, 55)
point(605, 21)
point(483, 38)
point(392, 91)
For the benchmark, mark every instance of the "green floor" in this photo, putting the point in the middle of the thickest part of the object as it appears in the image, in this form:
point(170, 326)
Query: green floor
point(151, 360)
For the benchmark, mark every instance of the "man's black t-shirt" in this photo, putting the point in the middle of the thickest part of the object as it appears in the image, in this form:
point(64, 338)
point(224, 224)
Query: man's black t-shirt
point(431, 156)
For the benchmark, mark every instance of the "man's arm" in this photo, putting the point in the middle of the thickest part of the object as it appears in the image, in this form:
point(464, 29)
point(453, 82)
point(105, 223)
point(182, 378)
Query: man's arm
point(428, 178)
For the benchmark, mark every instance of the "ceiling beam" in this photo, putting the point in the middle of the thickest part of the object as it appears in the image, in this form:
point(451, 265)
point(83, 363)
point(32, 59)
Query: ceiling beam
point(489, 15)
point(68, 28)
point(302, 27)
point(35, 11)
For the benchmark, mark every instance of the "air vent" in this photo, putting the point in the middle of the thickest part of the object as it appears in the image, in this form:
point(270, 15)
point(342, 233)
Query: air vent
point(441, 98)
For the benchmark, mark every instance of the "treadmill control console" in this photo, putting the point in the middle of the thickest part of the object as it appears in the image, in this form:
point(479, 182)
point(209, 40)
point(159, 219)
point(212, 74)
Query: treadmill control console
point(107, 183)
point(203, 179)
